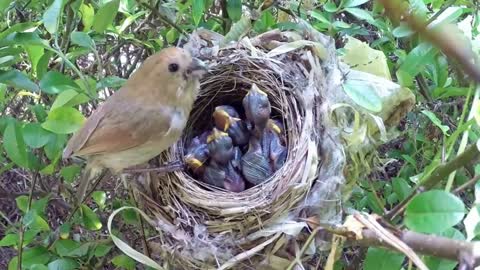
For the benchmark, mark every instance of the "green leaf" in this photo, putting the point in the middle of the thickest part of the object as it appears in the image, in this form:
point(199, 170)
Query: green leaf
point(64, 120)
point(55, 82)
point(361, 14)
point(100, 197)
point(34, 135)
point(52, 15)
point(198, 7)
point(82, 39)
point(415, 62)
point(55, 146)
point(401, 188)
point(90, 219)
point(35, 255)
point(38, 267)
point(444, 93)
point(63, 264)
point(382, 259)
point(425, 211)
point(402, 31)
point(102, 250)
point(22, 203)
point(105, 16)
point(320, 17)
point(330, 7)
point(87, 12)
point(234, 9)
point(9, 240)
point(437, 122)
point(18, 80)
point(14, 145)
point(363, 93)
point(19, 27)
point(42, 65)
point(354, 3)
point(69, 172)
point(64, 246)
point(111, 81)
point(124, 261)
point(33, 221)
point(35, 53)
point(69, 98)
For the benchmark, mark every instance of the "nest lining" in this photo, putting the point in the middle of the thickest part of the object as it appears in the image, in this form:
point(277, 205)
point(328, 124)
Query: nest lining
point(224, 223)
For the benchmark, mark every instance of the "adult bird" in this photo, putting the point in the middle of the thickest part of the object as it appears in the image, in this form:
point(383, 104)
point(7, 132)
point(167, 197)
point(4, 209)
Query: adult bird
point(140, 120)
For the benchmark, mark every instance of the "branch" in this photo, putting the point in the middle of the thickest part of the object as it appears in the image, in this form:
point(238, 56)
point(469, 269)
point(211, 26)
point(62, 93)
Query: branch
point(441, 37)
point(436, 176)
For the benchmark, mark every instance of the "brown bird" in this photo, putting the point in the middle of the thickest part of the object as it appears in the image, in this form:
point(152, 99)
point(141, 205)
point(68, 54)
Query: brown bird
point(142, 119)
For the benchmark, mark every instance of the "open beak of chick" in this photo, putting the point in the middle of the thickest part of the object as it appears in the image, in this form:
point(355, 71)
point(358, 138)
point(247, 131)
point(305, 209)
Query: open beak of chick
point(257, 108)
point(233, 126)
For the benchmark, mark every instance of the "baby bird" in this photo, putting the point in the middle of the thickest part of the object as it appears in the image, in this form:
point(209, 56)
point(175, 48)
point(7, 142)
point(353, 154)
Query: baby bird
point(234, 180)
point(257, 109)
point(233, 126)
point(214, 174)
point(140, 120)
point(220, 147)
point(255, 165)
point(197, 155)
point(229, 110)
point(277, 152)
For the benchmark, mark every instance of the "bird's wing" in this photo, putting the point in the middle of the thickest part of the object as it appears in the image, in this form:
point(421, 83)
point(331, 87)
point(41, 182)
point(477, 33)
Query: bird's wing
point(117, 126)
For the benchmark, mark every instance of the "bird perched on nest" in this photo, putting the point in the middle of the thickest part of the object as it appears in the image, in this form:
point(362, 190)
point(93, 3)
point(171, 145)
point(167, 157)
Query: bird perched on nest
point(142, 119)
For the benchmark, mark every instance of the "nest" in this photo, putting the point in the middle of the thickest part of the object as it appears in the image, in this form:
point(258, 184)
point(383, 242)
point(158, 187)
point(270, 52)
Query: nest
point(201, 227)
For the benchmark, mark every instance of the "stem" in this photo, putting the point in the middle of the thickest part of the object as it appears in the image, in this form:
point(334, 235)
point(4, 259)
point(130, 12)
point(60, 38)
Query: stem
point(22, 228)
point(436, 176)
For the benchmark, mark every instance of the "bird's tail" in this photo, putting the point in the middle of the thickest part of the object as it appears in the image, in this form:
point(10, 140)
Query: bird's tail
point(89, 173)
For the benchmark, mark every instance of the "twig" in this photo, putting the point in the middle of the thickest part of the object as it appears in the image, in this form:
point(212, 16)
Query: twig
point(442, 39)
point(142, 225)
point(304, 248)
point(467, 184)
point(22, 228)
point(164, 18)
point(436, 176)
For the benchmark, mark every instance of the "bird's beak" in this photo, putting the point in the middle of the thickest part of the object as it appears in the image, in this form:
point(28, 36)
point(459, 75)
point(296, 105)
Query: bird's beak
point(198, 67)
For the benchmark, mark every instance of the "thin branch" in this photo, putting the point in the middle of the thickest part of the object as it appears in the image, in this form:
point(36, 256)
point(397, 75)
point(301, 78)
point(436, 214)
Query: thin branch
point(440, 37)
point(164, 18)
point(22, 228)
point(441, 172)
point(467, 184)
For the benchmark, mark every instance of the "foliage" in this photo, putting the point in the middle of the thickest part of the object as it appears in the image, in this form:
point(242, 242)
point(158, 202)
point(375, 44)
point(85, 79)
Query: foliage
point(60, 59)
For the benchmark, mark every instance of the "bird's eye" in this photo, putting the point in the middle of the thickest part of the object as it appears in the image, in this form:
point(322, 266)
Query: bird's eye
point(173, 67)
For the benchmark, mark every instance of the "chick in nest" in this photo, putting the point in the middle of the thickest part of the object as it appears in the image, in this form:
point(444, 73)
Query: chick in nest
point(197, 154)
point(225, 120)
point(257, 110)
point(274, 143)
point(255, 165)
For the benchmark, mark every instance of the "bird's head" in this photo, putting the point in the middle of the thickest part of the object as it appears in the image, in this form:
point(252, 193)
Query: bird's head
point(169, 73)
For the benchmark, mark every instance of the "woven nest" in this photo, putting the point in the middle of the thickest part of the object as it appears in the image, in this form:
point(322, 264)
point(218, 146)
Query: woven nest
point(203, 227)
